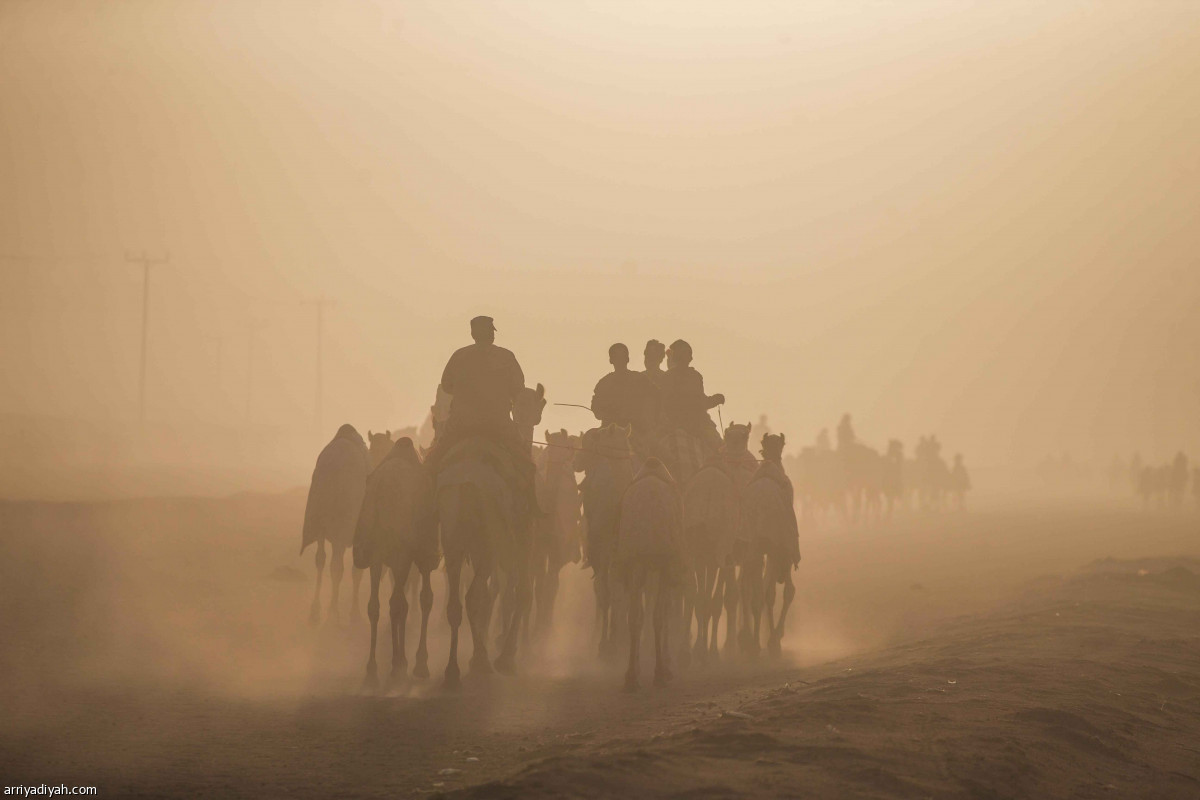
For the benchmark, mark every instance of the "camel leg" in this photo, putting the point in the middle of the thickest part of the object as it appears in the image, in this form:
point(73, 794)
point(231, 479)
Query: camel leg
point(789, 594)
point(752, 603)
point(769, 603)
point(398, 611)
point(337, 568)
point(479, 615)
point(355, 579)
point(704, 610)
point(636, 580)
point(600, 588)
point(687, 608)
point(372, 680)
point(454, 613)
point(314, 616)
point(550, 596)
point(523, 601)
point(732, 594)
point(421, 664)
point(664, 603)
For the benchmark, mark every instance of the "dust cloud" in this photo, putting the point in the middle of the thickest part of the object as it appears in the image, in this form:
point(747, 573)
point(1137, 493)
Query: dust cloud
point(228, 228)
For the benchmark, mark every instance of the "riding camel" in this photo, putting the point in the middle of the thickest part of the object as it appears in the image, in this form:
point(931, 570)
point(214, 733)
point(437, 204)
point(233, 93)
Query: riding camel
point(481, 520)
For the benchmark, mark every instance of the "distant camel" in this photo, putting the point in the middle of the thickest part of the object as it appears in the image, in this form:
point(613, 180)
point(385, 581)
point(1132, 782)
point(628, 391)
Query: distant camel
point(397, 529)
point(331, 513)
point(378, 446)
point(769, 521)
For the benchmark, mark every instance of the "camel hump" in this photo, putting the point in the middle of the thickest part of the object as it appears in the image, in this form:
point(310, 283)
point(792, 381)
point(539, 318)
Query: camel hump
point(650, 520)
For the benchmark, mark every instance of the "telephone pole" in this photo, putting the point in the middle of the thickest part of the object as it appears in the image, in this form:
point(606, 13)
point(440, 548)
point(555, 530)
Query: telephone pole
point(146, 262)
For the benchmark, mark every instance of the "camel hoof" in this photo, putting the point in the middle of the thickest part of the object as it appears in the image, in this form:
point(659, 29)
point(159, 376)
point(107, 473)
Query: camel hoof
point(481, 666)
point(662, 677)
point(421, 670)
point(452, 682)
point(506, 665)
point(314, 617)
point(371, 681)
point(631, 683)
point(775, 648)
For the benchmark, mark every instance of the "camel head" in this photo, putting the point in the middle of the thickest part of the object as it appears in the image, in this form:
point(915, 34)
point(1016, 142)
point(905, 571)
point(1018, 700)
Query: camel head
point(562, 446)
point(609, 440)
point(772, 447)
point(737, 438)
point(528, 406)
point(379, 442)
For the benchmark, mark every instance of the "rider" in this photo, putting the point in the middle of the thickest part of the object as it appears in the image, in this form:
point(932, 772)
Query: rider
point(482, 381)
point(845, 433)
point(685, 405)
point(623, 396)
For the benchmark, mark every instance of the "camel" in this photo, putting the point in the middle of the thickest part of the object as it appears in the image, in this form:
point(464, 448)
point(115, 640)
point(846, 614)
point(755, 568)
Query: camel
point(379, 445)
point(650, 552)
point(331, 513)
point(481, 520)
point(397, 529)
point(606, 459)
point(893, 476)
point(556, 533)
point(711, 529)
point(768, 518)
point(527, 414)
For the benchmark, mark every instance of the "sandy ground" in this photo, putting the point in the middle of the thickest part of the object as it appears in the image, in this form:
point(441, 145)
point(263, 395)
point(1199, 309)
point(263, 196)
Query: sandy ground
point(161, 648)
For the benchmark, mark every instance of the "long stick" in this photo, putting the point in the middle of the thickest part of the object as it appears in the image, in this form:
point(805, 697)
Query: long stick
point(572, 405)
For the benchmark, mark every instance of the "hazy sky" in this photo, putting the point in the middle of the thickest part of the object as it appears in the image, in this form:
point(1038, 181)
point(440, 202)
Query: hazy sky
point(974, 218)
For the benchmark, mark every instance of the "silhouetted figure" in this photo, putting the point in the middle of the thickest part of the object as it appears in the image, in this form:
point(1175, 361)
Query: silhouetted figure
point(623, 397)
point(331, 513)
point(960, 482)
point(685, 405)
point(652, 357)
point(1177, 485)
point(845, 433)
point(483, 382)
point(823, 444)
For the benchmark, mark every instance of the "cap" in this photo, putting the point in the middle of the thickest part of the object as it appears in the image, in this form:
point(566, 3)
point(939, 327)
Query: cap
point(486, 323)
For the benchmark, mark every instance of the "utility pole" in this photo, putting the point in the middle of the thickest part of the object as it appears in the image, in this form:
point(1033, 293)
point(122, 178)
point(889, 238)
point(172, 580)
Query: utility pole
point(146, 262)
point(318, 418)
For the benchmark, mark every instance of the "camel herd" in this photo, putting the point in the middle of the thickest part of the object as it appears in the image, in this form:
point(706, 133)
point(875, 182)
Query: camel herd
point(681, 535)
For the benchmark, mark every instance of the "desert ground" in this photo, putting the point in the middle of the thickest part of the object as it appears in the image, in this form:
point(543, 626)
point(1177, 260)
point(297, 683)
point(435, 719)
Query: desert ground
point(1025, 649)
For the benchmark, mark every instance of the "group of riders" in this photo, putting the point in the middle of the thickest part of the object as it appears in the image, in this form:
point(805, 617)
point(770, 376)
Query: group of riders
point(670, 510)
point(1158, 485)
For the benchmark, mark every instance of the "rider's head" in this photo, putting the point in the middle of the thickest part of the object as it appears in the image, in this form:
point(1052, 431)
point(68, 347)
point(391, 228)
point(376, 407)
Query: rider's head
point(483, 330)
point(654, 353)
point(679, 354)
point(618, 356)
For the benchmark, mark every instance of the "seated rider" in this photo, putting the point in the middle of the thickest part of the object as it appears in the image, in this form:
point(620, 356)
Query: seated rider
point(482, 380)
point(624, 397)
point(685, 406)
